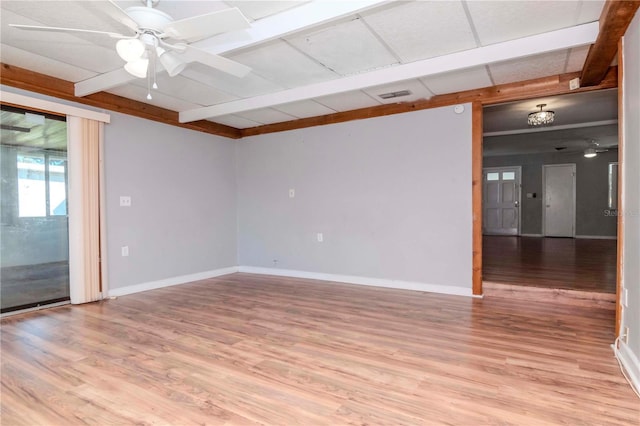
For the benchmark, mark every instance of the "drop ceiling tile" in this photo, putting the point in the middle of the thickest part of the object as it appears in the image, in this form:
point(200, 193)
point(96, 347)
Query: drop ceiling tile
point(245, 87)
point(417, 89)
point(261, 9)
point(423, 29)
point(472, 78)
point(266, 116)
point(589, 11)
point(497, 21)
point(348, 101)
point(21, 58)
point(347, 48)
point(529, 67)
point(138, 93)
point(235, 121)
point(180, 87)
point(576, 59)
point(304, 109)
point(281, 63)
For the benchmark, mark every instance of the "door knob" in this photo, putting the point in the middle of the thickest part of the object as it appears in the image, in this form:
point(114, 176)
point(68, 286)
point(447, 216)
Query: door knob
point(517, 203)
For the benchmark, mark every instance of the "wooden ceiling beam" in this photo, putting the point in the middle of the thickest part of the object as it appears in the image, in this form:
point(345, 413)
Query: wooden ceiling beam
point(540, 87)
point(29, 80)
point(615, 18)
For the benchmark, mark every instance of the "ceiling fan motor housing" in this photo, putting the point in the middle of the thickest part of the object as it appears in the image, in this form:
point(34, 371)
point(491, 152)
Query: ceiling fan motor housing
point(149, 19)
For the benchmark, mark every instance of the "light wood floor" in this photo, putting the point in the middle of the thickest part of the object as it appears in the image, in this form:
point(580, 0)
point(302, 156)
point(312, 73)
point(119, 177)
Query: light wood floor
point(248, 349)
point(559, 263)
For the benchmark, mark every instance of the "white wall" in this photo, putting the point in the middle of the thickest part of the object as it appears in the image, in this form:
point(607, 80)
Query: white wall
point(183, 215)
point(391, 195)
point(631, 195)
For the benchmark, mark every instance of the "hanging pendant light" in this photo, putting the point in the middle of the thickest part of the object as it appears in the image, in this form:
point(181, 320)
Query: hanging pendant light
point(541, 118)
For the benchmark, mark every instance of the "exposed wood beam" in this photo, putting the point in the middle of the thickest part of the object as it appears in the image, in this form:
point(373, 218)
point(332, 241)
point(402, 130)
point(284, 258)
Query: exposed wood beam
point(614, 20)
point(546, 86)
point(476, 196)
point(62, 89)
point(279, 25)
point(540, 43)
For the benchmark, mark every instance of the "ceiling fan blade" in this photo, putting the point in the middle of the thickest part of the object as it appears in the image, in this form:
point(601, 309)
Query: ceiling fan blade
point(204, 26)
point(66, 30)
point(113, 11)
point(193, 54)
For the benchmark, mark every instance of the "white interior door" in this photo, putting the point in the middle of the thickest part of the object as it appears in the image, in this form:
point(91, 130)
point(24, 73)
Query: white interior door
point(501, 201)
point(559, 210)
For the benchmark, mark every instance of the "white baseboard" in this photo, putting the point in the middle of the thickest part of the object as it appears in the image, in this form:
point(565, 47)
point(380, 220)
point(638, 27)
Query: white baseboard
point(183, 279)
point(630, 363)
point(531, 235)
point(597, 237)
point(350, 279)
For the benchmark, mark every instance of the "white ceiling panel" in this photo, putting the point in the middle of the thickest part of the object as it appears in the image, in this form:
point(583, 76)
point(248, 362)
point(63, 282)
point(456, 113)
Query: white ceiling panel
point(21, 58)
point(528, 68)
point(417, 89)
point(180, 87)
point(245, 87)
point(266, 116)
point(423, 29)
point(589, 11)
point(139, 93)
point(235, 121)
point(348, 101)
point(284, 65)
point(472, 78)
point(261, 9)
point(576, 59)
point(497, 21)
point(346, 48)
point(304, 109)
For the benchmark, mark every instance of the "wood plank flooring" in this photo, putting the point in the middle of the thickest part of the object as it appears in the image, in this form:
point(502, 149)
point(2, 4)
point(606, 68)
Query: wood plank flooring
point(559, 263)
point(248, 349)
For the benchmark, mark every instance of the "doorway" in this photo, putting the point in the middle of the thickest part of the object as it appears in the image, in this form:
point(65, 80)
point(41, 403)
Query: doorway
point(501, 201)
point(34, 266)
point(559, 194)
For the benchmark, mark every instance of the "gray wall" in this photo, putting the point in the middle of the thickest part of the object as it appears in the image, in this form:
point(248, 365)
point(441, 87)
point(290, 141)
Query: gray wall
point(631, 187)
point(392, 196)
point(591, 189)
point(183, 214)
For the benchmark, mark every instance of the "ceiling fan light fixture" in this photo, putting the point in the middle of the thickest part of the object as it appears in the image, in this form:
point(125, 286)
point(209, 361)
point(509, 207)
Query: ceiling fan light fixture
point(171, 62)
point(138, 68)
point(541, 118)
point(130, 49)
point(590, 153)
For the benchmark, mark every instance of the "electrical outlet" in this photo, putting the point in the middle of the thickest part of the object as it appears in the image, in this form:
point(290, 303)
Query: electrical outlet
point(574, 83)
point(320, 237)
point(125, 201)
point(625, 298)
point(292, 193)
point(625, 335)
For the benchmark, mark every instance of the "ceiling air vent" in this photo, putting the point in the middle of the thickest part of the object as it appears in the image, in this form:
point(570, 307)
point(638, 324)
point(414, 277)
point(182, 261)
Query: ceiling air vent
point(398, 94)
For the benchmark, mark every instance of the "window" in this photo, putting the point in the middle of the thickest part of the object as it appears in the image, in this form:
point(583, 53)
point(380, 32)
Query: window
point(493, 176)
point(42, 183)
point(508, 175)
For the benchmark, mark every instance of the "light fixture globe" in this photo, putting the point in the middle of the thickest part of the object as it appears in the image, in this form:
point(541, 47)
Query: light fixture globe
point(138, 68)
point(590, 153)
point(541, 118)
point(130, 49)
point(171, 62)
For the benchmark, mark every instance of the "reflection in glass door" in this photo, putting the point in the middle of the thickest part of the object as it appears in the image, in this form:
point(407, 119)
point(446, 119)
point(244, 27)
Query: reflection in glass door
point(34, 231)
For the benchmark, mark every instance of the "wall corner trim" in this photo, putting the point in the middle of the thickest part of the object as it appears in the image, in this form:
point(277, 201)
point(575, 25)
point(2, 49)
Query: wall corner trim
point(630, 363)
point(167, 282)
point(351, 279)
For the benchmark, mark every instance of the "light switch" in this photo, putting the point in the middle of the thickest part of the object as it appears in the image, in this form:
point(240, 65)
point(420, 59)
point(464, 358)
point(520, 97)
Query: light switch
point(292, 193)
point(320, 237)
point(125, 251)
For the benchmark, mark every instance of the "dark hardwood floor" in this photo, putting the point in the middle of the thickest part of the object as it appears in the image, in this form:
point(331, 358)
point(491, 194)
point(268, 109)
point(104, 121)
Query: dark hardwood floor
point(248, 349)
point(558, 263)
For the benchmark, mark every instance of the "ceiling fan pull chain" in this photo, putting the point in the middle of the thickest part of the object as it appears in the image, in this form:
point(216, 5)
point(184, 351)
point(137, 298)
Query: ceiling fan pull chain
point(149, 85)
point(154, 59)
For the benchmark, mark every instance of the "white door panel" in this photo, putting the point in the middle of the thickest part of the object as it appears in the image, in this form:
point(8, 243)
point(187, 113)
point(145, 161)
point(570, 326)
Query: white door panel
point(559, 200)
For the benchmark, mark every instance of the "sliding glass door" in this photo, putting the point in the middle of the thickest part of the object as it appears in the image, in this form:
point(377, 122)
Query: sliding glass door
point(34, 228)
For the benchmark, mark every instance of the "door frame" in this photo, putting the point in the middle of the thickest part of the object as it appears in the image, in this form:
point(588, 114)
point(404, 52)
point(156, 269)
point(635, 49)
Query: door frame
point(544, 197)
point(519, 192)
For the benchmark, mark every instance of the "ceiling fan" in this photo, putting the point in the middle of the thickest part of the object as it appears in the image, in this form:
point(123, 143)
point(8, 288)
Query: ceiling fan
point(594, 149)
point(158, 37)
